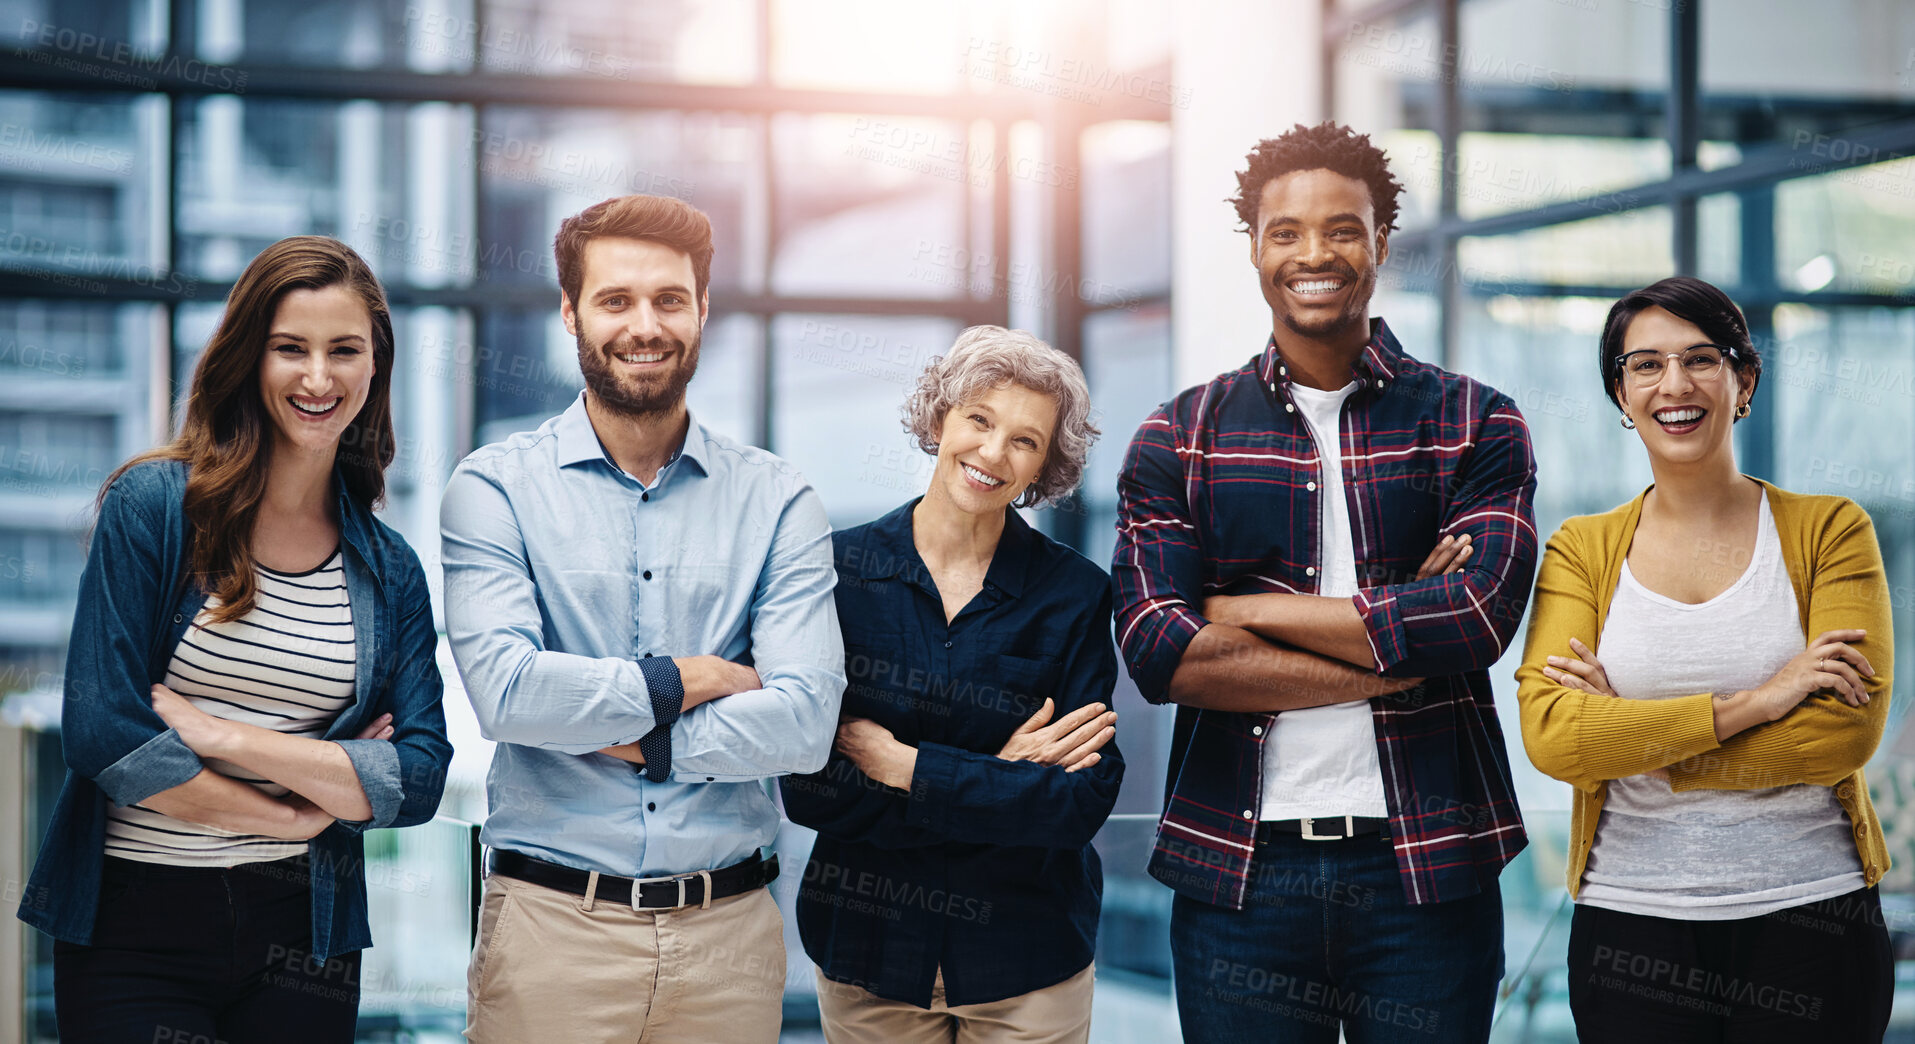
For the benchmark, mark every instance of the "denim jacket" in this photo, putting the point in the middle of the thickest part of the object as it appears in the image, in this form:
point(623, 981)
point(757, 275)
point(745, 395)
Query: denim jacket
point(135, 604)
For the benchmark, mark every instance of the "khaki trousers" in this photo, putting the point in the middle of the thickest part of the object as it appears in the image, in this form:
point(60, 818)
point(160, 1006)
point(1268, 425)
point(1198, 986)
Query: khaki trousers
point(551, 968)
point(1057, 1014)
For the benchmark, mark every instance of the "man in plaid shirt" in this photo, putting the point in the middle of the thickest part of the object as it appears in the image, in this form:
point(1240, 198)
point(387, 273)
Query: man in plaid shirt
point(1319, 556)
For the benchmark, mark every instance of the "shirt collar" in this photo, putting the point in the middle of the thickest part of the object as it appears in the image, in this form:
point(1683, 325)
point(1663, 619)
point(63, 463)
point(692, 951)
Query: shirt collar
point(1378, 362)
point(890, 551)
point(578, 442)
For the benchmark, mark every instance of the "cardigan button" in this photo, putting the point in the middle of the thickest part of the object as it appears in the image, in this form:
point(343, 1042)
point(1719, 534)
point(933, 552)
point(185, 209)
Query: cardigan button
point(177, 617)
point(1845, 791)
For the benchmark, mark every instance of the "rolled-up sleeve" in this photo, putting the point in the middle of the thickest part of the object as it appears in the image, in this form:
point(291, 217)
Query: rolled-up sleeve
point(1157, 565)
point(522, 692)
point(1463, 621)
point(787, 725)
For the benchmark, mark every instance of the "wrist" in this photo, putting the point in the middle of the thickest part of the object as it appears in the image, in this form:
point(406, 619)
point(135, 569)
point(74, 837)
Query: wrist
point(901, 761)
point(218, 738)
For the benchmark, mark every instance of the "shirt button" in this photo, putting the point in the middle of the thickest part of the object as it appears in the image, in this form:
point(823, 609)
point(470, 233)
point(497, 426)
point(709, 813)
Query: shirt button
point(1247, 814)
point(1289, 407)
point(1309, 570)
point(947, 645)
point(1283, 371)
point(648, 656)
point(711, 779)
point(651, 806)
point(1311, 486)
point(648, 574)
point(644, 496)
point(1379, 384)
point(1256, 730)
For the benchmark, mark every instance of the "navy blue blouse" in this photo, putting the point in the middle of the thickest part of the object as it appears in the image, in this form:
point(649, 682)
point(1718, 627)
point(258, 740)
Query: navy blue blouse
point(985, 868)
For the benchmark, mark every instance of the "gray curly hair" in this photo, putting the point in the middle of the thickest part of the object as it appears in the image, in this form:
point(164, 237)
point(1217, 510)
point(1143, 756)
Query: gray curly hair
point(984, 357)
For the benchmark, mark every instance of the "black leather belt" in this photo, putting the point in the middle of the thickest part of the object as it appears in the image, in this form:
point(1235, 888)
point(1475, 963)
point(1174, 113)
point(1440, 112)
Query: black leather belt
point(653, 893)
point(1324, 828)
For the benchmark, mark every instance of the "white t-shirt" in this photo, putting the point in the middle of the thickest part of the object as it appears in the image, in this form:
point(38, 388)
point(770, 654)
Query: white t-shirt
point(1322, 761)
point(1708, 855)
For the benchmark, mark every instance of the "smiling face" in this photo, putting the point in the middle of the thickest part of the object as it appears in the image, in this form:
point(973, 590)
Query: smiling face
point(991, 450)
point(1316, 248)
point(638, 325)
point(317, 369)
point(1681, 420)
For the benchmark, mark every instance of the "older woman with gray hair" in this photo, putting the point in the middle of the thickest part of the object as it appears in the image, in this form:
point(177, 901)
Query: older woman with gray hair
point(953, 892)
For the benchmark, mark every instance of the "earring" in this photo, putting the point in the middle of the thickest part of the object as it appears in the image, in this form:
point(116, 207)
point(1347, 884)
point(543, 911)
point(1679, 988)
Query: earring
point(1627, 423)
point(1742, 411)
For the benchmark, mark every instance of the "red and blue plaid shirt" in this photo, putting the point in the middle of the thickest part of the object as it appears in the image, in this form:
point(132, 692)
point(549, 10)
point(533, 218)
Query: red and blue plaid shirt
point(1218, 496)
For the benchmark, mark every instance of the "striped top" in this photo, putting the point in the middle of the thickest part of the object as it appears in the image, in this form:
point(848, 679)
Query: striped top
point(287, 666)
point(1221, 492)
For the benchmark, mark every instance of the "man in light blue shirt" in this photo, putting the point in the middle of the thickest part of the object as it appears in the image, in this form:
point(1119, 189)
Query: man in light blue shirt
point(642, 613)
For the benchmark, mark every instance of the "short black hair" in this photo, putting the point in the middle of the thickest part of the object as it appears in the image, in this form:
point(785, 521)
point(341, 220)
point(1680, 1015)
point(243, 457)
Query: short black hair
point(1689, 299)
point(1326, 146)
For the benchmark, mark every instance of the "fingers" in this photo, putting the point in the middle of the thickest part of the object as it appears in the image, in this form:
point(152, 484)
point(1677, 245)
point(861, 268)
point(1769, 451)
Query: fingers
point(1084, 738)
point(379, 728)
point(1037, 720)
point(1564, 678)
point(1088, 748)
point(1571, 665)
point(1840, 651)
point(1088, 760)
point(1446, 557)
point(1849, 682)
point(1582, 652)
point(1844, 634)
point(1073, 721)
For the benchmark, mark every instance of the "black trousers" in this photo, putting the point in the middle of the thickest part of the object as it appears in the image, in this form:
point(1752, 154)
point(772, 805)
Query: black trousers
point(1817, 972)
point(204, 955)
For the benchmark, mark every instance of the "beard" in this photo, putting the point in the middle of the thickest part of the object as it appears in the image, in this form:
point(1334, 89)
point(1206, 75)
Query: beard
point(1356, 310)
point(638, 396)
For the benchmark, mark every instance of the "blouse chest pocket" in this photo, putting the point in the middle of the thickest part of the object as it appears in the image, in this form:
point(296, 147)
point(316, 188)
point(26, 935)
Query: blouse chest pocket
point(1021, 684)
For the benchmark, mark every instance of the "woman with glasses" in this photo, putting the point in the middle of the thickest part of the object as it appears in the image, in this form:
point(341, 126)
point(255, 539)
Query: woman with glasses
point(250, 686)
point(1709, 666)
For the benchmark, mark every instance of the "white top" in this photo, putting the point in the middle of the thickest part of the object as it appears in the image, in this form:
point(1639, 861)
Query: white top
point(1708, 855)
point(288, 666)
point(1322, 761)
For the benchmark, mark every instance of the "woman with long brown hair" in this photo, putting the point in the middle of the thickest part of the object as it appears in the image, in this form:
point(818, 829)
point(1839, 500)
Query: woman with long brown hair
point(250, 685)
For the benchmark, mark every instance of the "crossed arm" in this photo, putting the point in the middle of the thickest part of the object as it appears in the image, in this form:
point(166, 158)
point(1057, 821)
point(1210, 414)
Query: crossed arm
point(126, 735)
point(751, 723)
point(1275, 652)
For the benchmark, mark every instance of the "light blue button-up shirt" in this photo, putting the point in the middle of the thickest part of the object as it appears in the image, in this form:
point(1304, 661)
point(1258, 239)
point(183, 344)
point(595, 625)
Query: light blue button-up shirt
point(562, 572)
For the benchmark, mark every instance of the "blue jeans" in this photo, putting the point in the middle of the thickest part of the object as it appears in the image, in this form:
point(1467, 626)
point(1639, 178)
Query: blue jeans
point(1326, 937)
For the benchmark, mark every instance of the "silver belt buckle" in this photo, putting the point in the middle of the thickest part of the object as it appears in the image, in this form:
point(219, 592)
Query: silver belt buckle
point(1310, 834)
point(638, 884)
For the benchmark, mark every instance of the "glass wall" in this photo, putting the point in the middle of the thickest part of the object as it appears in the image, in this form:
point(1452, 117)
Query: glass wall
point(878, 176)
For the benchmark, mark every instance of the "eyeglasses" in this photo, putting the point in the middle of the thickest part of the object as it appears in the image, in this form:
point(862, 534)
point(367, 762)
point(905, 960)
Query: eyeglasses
point(1702, 362)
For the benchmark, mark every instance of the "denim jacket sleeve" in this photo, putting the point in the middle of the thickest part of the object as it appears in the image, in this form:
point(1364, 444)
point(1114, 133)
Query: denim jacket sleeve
point(404, 776)
point(109, 730)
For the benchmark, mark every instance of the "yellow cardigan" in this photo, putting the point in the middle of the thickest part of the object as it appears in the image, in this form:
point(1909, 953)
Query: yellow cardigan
point(1585, 740)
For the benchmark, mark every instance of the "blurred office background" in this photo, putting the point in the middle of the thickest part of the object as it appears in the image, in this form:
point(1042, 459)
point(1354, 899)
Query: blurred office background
point(880, 175)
